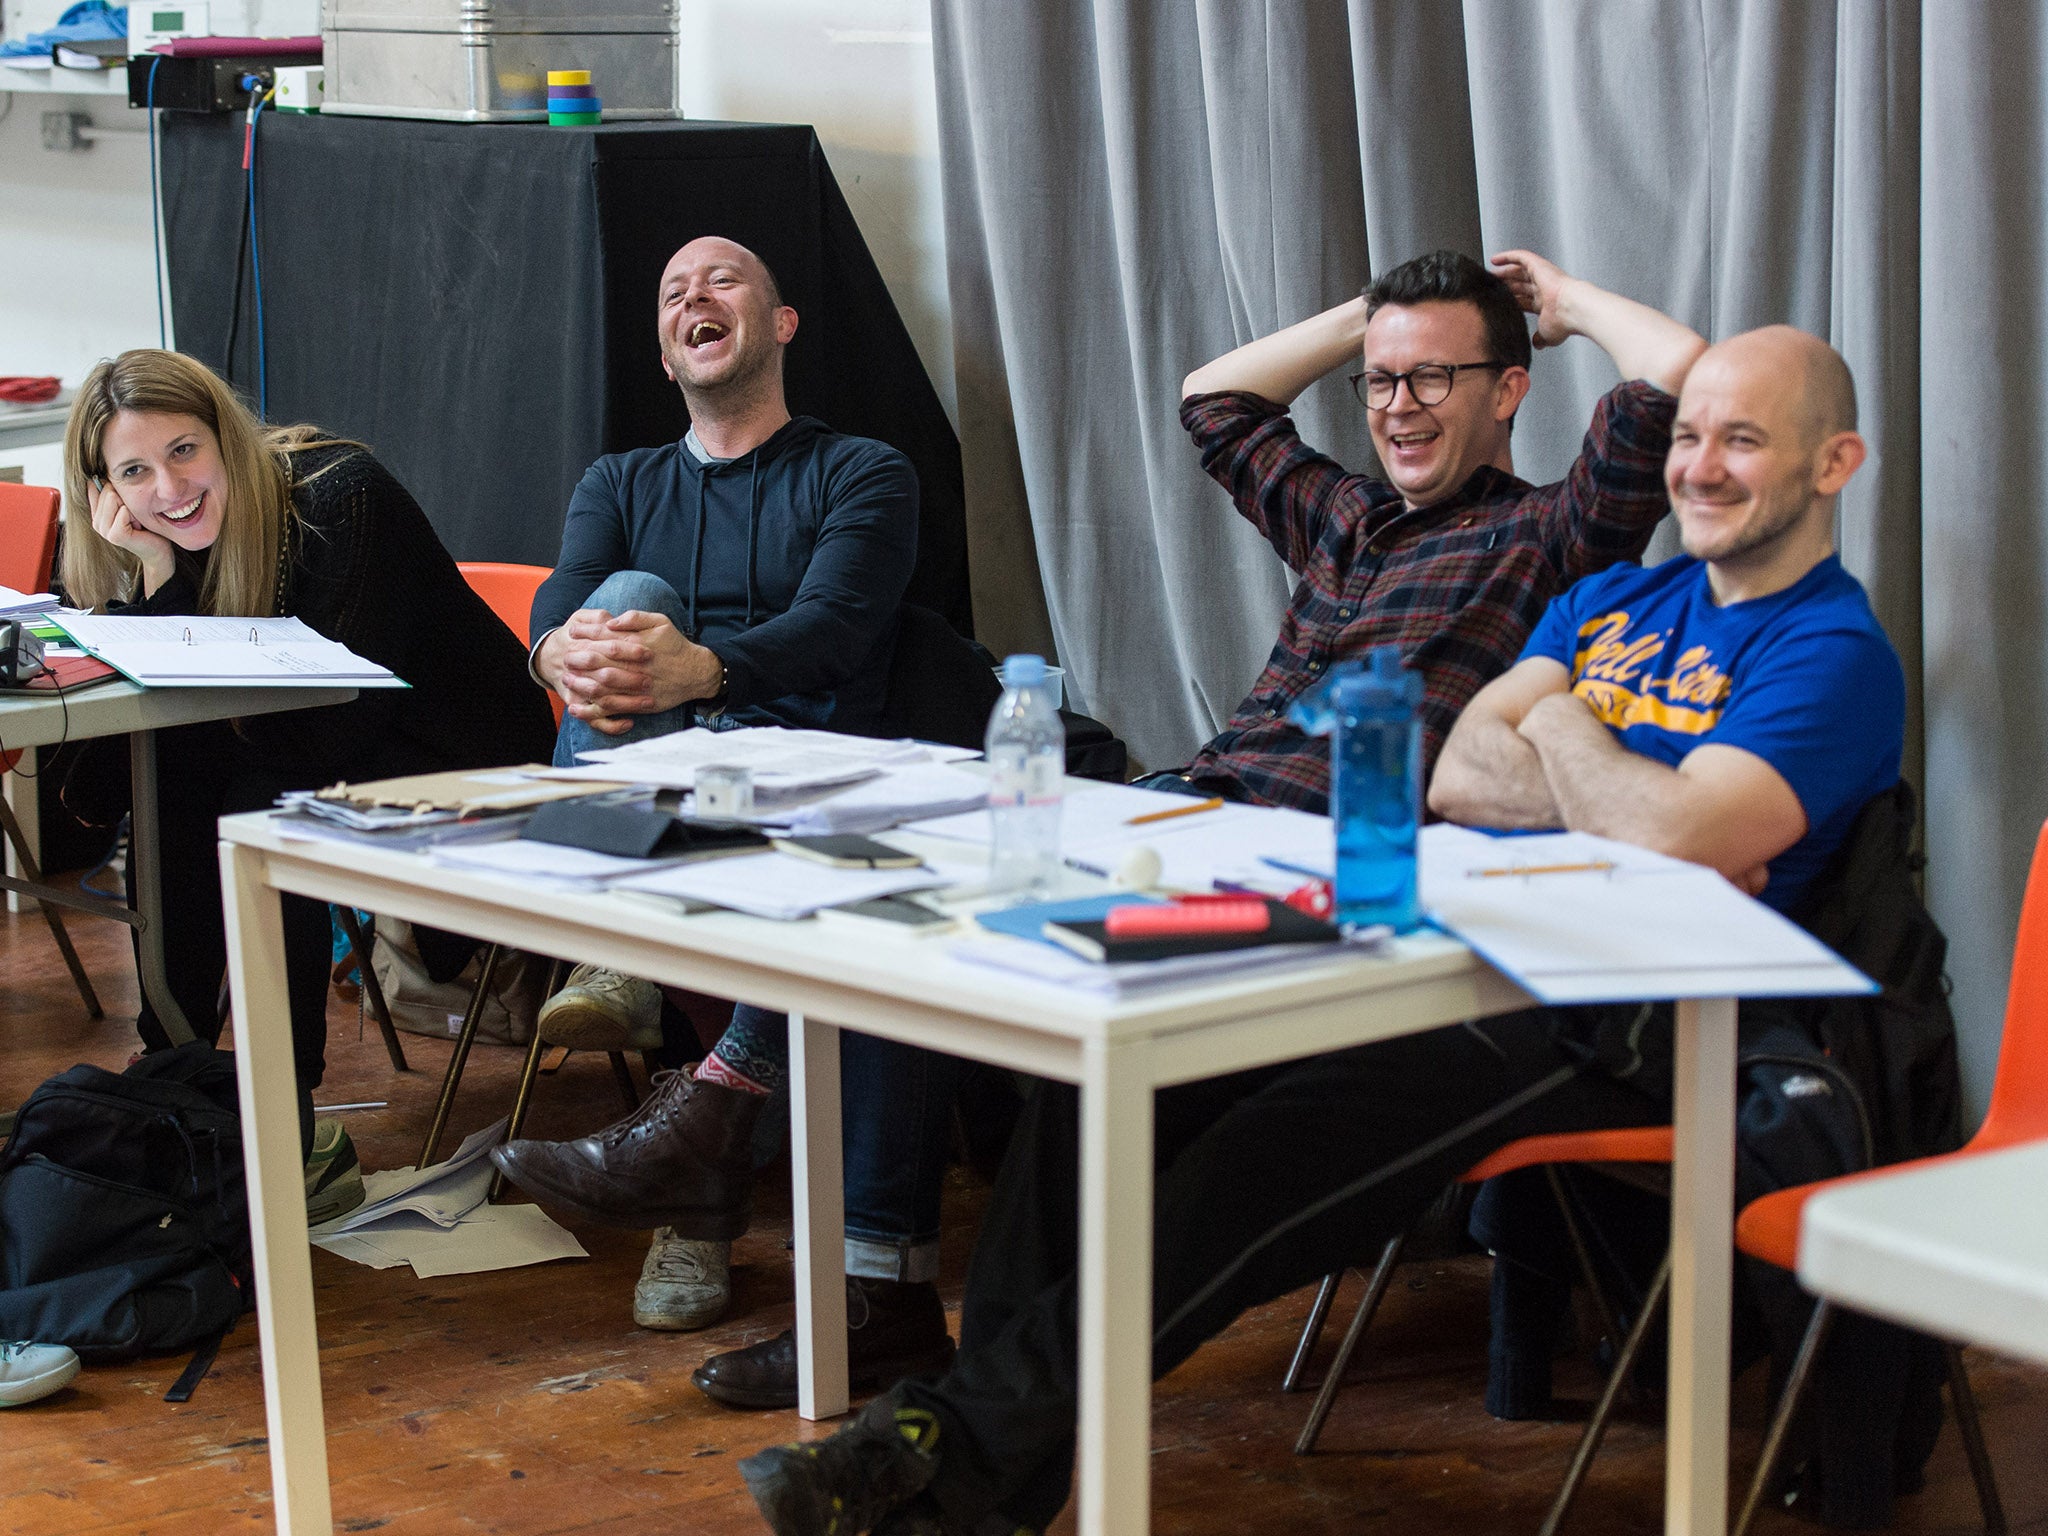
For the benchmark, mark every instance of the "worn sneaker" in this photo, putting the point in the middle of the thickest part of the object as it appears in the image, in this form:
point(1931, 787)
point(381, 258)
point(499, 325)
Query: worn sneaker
point(685, 1283)
point(334, 1175)
point(600, 1010)
point(29, 1371)
point(878, 1463)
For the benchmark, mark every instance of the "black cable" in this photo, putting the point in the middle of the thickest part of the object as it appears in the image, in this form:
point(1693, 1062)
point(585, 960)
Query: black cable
point(227, 351)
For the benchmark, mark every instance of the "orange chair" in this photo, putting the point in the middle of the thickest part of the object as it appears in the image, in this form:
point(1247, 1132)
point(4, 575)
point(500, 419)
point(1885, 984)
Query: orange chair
point(1768, 1229)
point(28, 557)
point(509, 590)
point(1635, 1144)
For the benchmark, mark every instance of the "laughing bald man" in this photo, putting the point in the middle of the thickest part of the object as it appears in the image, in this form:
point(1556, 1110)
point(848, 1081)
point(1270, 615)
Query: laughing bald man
point(749, 574)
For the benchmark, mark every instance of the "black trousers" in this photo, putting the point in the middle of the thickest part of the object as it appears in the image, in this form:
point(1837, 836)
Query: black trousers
point(1266, 1181)
point(205, 772)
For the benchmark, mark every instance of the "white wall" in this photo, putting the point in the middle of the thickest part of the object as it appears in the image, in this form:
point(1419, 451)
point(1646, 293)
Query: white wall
point(76, 265)
point(75, 253)
point(860, 71)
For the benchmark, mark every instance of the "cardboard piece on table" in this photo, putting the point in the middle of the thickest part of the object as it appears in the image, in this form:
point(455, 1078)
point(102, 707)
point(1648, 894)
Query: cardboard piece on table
point(468, 792)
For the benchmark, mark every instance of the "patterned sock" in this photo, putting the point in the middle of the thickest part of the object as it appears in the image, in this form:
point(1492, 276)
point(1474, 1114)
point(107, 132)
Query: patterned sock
point(748, 1057)
point(716, 1069)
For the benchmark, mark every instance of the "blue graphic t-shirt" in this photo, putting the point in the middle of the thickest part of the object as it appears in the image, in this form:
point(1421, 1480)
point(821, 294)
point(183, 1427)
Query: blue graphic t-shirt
point(1804, 678)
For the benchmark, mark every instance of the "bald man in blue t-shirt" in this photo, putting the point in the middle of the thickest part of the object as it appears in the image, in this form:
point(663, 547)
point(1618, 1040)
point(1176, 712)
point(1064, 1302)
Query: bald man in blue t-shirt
point(1735, 706)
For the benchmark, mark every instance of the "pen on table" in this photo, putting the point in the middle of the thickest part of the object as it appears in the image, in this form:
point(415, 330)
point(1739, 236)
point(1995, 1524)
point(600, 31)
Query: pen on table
point(1295, 869)
point(1545, 869)
point(329, 1109)
point(1194, 809)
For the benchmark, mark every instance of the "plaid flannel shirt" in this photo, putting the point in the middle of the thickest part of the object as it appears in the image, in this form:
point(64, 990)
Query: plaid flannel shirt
point(1457, 586)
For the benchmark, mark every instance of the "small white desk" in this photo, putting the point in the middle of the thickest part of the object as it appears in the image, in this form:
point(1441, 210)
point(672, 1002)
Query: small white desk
point(1959, 1248)
point(1118, 1051)
point(116, 707)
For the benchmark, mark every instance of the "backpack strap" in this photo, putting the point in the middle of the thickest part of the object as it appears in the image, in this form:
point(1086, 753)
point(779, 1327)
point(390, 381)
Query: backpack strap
point(195, 1370)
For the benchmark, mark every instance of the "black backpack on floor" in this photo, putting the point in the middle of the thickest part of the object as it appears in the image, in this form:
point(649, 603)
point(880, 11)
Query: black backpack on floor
point(124, 1222)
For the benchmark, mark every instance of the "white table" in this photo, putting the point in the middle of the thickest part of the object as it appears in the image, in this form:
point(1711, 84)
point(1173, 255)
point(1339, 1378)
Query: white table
point(116, 707)
point(909, 990)
point(1958, 1248)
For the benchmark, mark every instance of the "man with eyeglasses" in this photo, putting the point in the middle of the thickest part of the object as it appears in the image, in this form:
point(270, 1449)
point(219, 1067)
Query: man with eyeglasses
point(1450, 556)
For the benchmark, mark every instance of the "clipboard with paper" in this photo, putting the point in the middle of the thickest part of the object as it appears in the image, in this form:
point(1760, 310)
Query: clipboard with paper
point(198, 651)
point(1574, 918)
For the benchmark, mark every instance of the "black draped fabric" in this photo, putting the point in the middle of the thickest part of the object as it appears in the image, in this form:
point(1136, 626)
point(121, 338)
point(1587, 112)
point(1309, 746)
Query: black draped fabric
point(476, 302)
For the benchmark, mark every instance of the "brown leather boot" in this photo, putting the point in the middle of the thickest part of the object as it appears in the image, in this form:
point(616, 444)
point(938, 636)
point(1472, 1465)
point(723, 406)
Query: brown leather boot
point(680, 1160)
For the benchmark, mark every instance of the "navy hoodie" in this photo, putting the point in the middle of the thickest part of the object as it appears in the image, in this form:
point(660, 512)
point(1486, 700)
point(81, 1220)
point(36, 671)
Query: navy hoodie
point(791, 562)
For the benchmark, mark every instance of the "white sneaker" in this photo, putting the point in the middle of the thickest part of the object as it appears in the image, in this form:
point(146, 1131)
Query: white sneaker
point(29, 1371)
point(685, 1283)
point(600, 1010)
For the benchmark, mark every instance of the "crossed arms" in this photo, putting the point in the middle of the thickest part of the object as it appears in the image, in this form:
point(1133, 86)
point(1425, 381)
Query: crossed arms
point(1527, 753)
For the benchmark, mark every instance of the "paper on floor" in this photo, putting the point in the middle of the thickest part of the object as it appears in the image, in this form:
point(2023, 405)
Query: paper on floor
point(438, 1220)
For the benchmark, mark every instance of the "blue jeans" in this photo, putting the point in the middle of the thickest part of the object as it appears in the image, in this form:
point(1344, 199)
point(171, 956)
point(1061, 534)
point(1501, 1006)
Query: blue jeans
point(896, 1100)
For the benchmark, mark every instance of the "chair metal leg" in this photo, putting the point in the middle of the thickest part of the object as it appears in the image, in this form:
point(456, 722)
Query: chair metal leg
point(463, 1042)
point(1311, 1331)
point(1610, 1320)
point(1603, 1411)
point(1971, 1428)
point(1788, 1406)
point(51, 913)
point(529, 1074)
point(359, 945)
point(623, 1076)
point(1374, 1291)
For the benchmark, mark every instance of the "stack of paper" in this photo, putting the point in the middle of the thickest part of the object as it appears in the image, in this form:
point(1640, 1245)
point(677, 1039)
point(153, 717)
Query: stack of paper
point(1254, 847)
point(24, 605)
point(781, 885)
point(436, 1220)
point(192, 651)
point(782, 761)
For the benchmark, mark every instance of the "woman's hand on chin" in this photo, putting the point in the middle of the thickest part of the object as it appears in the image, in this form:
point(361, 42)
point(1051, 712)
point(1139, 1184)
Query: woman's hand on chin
point(112, 521)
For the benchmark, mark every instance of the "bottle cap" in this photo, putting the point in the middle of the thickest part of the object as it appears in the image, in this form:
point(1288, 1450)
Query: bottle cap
point(1023, 670)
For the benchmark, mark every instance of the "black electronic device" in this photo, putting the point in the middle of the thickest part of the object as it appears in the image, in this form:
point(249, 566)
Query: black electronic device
point(21, 653)
point(192, 84)
point(847, 850)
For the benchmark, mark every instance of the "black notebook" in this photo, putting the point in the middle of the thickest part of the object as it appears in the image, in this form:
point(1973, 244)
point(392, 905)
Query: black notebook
point(1285, 925)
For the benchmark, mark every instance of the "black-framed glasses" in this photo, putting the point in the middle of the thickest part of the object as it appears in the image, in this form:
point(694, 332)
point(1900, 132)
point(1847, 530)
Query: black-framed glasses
point(1428, 385)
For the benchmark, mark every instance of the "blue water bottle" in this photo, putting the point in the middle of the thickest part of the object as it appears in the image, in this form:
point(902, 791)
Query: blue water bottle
point(1370, 710)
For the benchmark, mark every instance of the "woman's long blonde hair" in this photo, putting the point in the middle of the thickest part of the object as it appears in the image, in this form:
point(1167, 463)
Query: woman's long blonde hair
point(257, 517)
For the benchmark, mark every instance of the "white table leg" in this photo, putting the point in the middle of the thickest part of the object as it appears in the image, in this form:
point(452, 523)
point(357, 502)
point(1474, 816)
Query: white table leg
point(1702, 1268)
point(277, 1197)
point(22, 799)
point(1116, 1293)
point(819, 1198)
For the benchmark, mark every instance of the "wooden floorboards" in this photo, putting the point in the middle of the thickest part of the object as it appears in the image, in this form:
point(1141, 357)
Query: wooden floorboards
point(527, 1402)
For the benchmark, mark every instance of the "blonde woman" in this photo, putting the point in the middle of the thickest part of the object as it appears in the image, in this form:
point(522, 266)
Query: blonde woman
point(181, 501)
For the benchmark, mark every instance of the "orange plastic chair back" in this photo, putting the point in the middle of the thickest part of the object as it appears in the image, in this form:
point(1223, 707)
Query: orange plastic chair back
point(1633, 1144)
point(509, 589)
point(28, 547)
point(28, 536)
point(2019, 1092)
point(1768, 1228)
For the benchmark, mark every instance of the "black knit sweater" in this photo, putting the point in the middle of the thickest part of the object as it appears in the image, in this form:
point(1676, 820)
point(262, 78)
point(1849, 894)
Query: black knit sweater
point(367, 569)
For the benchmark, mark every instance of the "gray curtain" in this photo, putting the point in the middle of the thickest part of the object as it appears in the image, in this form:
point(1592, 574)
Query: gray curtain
point(1135, 186)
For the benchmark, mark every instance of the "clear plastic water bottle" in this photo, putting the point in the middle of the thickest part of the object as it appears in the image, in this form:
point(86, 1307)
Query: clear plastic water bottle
point(1370, 710)
point(1027, 754)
